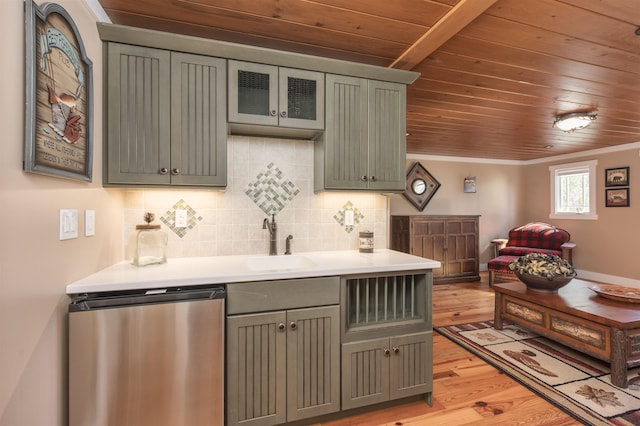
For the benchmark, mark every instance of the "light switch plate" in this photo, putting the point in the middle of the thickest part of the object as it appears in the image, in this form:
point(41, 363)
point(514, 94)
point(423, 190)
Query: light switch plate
point(68, 224)
point(349, 217)
point(89, 223)
point(181, 218)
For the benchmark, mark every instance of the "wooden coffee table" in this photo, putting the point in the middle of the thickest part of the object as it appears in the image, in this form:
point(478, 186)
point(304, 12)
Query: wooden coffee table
point(576, 317)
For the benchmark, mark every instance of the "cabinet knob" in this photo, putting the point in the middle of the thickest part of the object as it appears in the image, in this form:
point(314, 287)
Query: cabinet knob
point(386, 351)
point(283, 114)
point(281, 326)
point(274, 112)
point(396, 350)
point(364, 178)
point(175, 171)
point(293, 325)
point(372, 178)
point(163, 171)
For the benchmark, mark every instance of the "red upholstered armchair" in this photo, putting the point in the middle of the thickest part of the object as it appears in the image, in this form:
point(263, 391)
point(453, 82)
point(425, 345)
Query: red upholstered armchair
point(536, 237)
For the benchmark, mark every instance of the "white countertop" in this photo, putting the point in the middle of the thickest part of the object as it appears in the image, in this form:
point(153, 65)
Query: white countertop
point(229, 269)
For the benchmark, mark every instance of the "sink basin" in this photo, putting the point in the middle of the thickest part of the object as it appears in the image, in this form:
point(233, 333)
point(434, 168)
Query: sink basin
point(278, 263)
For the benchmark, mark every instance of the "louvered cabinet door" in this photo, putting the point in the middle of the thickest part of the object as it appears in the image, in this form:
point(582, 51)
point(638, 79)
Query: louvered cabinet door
point(346, 152)
point(313, 362)
point(411, 366)
point(137, 115)
point(198, 120)
point(387, 135)
point(365, 373)
point(256, 364)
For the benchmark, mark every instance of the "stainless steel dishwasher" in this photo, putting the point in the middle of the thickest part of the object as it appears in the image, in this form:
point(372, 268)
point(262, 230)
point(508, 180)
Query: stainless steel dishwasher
point(153, 357)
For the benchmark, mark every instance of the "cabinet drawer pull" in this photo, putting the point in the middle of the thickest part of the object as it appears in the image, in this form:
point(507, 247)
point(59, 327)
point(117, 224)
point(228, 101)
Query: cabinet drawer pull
point(396, 350)
point(293, 325)
point(163, 171)
point(281, 326)
point(372, 178)
point(283, 114)
point(364, 178)
point(274, 112)
point(386, 351)
point(175, 171)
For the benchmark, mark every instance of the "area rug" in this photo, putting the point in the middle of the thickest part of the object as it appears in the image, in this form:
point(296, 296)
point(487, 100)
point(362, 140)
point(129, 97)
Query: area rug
point(576, 383)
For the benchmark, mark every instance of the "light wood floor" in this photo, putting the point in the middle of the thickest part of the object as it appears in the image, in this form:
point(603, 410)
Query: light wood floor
point(466, 390)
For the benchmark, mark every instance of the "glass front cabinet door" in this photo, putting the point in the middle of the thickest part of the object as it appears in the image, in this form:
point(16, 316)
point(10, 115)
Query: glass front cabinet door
point(274, 96)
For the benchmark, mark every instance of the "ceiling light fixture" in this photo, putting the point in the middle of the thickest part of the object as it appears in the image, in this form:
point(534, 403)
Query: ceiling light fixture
point(574, 121)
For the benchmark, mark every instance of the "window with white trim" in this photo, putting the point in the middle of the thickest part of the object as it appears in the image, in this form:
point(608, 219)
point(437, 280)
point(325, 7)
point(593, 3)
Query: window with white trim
point(573, 190)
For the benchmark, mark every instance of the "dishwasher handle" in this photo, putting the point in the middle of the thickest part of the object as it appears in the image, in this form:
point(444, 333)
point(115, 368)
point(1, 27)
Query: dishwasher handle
point(87, 302)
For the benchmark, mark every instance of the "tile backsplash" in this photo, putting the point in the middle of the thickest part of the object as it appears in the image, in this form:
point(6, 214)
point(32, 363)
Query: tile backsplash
point(264, 175)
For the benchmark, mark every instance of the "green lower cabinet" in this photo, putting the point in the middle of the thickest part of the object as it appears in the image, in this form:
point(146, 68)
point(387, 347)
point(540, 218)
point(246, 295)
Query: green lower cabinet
point(388, 368)
point(283, 366)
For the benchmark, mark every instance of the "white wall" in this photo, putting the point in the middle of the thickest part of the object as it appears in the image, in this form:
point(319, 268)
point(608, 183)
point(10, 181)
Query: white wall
point(35, 266)
point(513, 193)
point(498, 198)
point(607, 248)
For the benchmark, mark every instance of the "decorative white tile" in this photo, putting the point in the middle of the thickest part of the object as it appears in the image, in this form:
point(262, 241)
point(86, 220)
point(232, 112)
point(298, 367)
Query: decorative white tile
point(309, 216)
point(169, 218)
point(340, 216)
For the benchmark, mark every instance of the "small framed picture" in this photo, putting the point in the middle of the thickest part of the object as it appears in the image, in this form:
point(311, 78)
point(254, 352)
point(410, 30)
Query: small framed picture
point(618, 197)
point(618, 176)
point(469, 184)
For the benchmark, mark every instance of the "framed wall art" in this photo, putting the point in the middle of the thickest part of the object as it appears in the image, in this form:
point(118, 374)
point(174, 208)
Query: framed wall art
point(618, 197)
point(618, 176)
point(421, 186)
point(59, 95)
point(469, 185)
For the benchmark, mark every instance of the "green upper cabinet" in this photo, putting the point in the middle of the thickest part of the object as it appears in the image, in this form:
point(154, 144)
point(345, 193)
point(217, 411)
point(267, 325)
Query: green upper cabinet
point(275, 96)
point(364, 143)
point(166, 115)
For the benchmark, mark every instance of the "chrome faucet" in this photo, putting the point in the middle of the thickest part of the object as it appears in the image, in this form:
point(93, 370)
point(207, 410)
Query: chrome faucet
point(273, 234)
point(287, 243)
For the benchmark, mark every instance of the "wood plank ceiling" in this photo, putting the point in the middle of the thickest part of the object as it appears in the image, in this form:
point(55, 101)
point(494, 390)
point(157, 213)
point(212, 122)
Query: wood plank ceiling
point(494, 73)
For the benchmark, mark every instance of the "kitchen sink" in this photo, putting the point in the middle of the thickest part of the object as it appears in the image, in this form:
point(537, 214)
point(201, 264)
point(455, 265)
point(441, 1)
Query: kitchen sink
point(279, 263)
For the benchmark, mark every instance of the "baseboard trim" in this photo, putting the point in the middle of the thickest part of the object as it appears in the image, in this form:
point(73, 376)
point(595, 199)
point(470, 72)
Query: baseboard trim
point(596, 276)
point(609, 279)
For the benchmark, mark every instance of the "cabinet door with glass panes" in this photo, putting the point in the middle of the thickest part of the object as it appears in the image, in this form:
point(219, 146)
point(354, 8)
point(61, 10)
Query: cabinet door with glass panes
point(273, 96)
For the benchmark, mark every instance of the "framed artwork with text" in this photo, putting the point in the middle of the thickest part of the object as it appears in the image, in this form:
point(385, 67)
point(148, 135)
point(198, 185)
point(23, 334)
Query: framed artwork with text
point(618, 176)
point(59, 95)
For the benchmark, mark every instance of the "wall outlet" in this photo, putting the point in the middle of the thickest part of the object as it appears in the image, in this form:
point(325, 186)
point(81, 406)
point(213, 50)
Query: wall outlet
point(181, 218)
point(68, 224)
point(89, 223)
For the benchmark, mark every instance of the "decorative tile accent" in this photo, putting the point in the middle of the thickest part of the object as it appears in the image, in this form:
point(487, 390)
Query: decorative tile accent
point(271, 191)
point(169, 218)
point(340, 217)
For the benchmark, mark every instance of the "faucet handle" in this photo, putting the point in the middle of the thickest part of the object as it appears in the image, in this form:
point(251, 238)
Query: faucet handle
point(288, 244)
